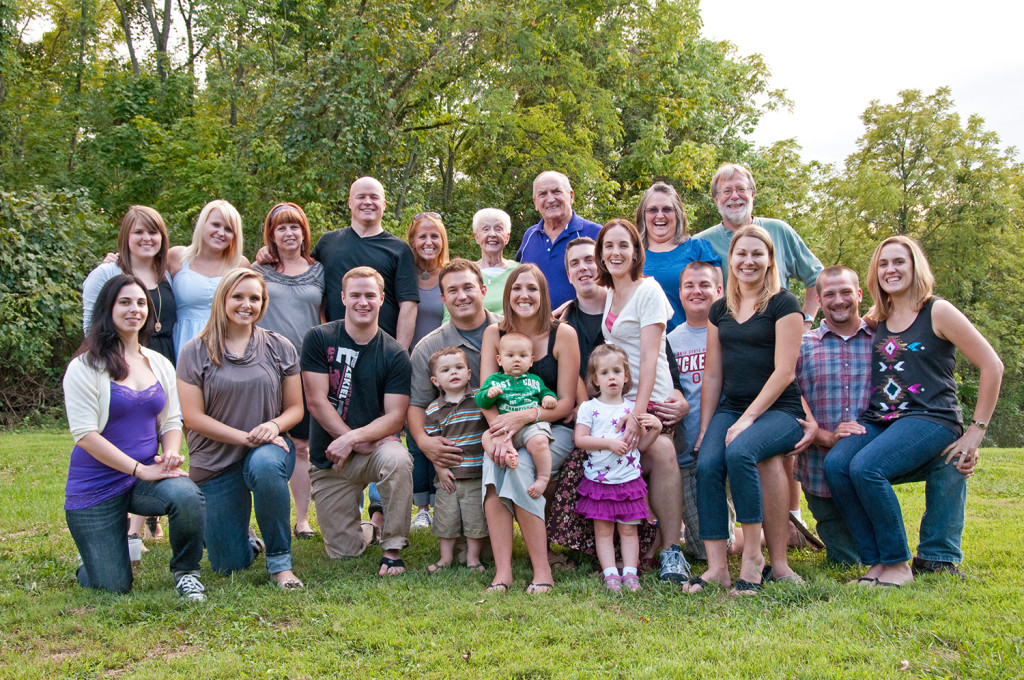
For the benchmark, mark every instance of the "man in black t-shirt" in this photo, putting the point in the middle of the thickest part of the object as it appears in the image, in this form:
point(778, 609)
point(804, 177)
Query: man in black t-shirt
point(356, 382)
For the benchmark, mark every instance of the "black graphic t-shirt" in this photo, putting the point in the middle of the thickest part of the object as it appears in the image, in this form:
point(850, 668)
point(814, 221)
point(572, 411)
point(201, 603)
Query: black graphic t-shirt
point(359, 377)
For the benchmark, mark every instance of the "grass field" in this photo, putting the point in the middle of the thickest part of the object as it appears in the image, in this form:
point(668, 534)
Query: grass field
point(349, 623)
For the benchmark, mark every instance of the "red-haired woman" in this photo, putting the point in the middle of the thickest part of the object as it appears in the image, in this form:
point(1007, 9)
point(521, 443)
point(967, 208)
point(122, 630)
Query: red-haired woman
point(295, 286)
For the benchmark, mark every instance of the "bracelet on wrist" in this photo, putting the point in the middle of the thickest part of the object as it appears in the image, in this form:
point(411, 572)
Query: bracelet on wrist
point(135, 468)
point(980, 425)
point(275, 423)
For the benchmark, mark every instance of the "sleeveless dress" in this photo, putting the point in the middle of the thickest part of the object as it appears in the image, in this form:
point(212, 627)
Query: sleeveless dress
point(193, 294)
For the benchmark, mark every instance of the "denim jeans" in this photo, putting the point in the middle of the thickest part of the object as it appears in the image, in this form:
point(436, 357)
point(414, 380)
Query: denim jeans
point(772, 434)
point(100, 532)
point(261, 481)
point(833, 530)
point(860, 471)
point(422, 474)
point(942, 524)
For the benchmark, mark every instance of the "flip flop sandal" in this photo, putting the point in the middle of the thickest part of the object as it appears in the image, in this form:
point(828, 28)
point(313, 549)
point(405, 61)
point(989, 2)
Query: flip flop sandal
point(497, 587)
point(887, 584)
point(698, 581)
point(291, 584)
point(539, 588)
point(390, 564)
point(477, 568)
point(744, 587)
point(437, 566)
point(304, 535)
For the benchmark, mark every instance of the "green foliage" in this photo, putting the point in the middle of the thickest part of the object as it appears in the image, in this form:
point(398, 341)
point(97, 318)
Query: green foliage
point(46, 243)
point(922, 171)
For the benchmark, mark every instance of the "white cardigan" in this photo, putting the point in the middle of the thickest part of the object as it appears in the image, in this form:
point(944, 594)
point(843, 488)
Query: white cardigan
point(87, 395)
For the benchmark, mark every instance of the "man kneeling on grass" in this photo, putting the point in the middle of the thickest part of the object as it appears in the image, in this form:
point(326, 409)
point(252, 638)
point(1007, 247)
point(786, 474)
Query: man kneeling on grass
point(356, 381)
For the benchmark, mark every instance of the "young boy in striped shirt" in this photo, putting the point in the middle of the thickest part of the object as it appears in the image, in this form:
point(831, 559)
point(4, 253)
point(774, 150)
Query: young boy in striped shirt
point(454, 415)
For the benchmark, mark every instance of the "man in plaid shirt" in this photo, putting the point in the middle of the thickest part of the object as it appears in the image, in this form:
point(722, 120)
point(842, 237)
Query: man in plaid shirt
point(834, 372)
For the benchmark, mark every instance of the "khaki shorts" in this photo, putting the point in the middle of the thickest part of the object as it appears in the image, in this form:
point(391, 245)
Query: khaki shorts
point(527, 432)
point(460, 513)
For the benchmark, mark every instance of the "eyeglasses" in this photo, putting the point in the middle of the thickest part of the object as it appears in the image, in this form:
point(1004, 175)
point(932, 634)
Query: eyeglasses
point(654, 211)
point(421, 215)
point(738, 191)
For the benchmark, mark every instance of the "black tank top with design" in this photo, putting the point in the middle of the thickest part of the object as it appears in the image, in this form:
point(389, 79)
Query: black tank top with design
point(912, 375)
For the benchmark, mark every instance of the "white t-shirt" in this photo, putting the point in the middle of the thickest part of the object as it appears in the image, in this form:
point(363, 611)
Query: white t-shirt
point(604, 420)
point(647, 306)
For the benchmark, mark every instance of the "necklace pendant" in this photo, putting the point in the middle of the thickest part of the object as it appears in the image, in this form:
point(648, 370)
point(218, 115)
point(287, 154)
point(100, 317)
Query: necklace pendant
point(425, 275)
point(157, 327)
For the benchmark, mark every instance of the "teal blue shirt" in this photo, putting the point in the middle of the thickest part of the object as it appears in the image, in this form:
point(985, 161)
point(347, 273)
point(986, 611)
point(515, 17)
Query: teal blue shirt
point(796, 261)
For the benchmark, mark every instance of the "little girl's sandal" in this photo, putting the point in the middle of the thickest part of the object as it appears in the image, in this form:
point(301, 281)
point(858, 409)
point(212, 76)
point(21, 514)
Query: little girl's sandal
point(613, 582)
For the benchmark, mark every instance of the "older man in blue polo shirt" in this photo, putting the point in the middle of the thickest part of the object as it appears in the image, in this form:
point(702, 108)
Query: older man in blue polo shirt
point(544, 243)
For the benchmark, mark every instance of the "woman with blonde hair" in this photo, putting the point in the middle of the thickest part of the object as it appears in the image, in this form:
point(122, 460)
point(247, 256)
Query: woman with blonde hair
point(295, 285)
point(196, 269)
point(240, 389)
point(913, 416)
point(749, 416)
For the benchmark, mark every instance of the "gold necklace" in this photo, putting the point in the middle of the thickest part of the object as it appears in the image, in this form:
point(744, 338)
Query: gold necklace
point(159, 308)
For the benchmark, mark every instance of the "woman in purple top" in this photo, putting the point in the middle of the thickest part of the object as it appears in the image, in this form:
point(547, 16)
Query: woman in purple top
point(913, 415)
point(122, 406)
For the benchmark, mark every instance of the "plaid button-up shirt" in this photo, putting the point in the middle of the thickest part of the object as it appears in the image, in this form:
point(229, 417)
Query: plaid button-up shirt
point(835, 377)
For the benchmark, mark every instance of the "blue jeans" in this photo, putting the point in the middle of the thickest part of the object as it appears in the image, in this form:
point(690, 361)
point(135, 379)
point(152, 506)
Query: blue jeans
point(374, 494)
point(860, 471)
point(261, 481)
point(772, 434)
point(422, 474)
point(942, 524)
point(100, 532)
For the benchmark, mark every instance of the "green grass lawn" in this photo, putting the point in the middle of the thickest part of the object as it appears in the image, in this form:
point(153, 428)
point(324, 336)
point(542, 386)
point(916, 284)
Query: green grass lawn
point(349, 623)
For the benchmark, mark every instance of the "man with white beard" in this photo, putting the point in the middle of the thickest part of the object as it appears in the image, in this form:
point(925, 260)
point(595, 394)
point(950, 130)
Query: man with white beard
point(733, 190)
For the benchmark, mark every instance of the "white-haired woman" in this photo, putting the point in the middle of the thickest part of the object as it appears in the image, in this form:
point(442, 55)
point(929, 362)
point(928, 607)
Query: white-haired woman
point(492, 229)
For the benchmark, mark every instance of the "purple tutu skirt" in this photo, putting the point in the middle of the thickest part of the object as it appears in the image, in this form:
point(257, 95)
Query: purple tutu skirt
point(613, 502)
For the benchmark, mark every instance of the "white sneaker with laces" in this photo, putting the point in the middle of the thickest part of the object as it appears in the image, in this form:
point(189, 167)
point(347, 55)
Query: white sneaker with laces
point(189, 588)
point(422, 520)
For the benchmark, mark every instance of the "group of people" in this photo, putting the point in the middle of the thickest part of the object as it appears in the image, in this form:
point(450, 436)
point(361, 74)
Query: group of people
point(611, 382)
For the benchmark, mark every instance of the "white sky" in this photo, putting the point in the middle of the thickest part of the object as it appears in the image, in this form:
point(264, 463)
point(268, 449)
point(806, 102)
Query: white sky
point(834, 58)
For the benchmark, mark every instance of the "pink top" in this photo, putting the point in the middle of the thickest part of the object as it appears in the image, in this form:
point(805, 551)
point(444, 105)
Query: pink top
point(609, 321)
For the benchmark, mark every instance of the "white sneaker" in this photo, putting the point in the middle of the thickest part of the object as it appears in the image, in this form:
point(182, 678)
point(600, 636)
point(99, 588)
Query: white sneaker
point(189, 588)
point(422, 520)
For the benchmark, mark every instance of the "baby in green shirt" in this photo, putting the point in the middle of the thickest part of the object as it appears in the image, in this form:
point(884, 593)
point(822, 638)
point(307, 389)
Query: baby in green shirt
point(515, 389)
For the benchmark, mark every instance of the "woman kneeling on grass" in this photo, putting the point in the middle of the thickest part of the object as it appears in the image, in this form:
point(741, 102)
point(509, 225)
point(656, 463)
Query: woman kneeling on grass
point(122, 406)
point(240, 388)
point(913, 416)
